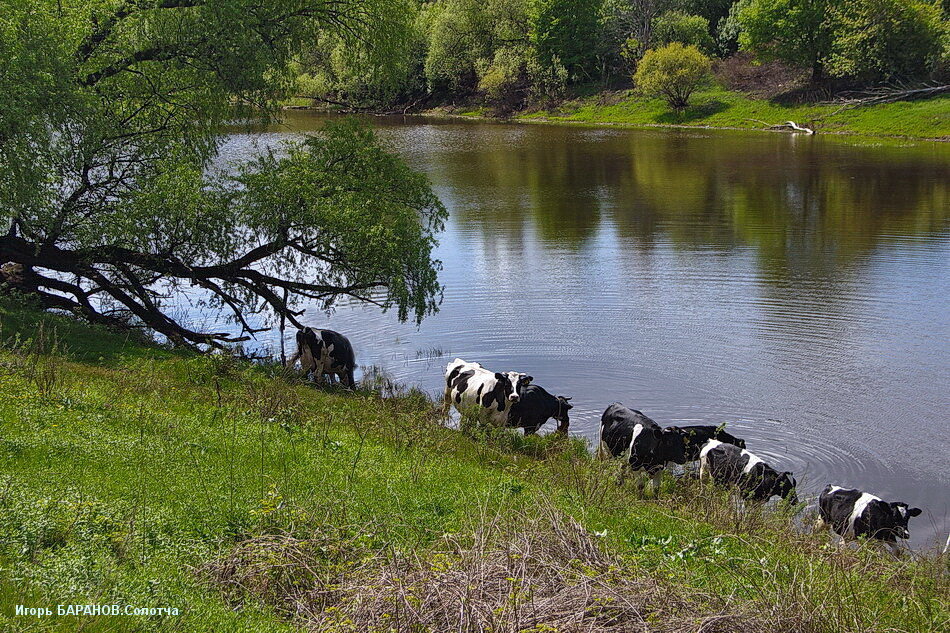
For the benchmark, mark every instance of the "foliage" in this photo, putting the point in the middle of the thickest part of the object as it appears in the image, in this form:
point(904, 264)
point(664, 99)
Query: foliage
point(728, 29)
point(627, 26)
point(567, 32)
point(795, 31)
point(365, 72)
point(117, 111)
point(867, 39)
point(676, 26)
point(505, 79)
point(886, 39)
point(465, 35)
point(673, 71)
point(712, 10)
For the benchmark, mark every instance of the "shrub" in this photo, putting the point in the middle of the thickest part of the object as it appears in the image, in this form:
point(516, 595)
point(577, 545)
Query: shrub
point(884, 39)
point(797, 32)
point(505, 80)
point(676, 26)
point(674, 72)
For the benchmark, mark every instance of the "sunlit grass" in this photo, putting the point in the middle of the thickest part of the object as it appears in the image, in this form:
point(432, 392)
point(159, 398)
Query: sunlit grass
point(715, 107)
point(125, 469)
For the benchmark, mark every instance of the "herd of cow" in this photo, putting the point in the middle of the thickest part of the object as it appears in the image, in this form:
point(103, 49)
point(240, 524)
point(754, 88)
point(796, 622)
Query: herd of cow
point(510, 399)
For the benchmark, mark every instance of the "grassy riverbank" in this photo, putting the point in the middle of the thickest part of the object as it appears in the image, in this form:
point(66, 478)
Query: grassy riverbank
point(720, 108)
point(135, 475)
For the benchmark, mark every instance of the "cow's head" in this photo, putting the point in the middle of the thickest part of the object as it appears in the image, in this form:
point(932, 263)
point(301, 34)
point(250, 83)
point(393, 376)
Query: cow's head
point(309, 347)
point(890, 519)
point(785, 487)
point(768, 482)
point(672, 445)
point(515, 382)
point(563, 406)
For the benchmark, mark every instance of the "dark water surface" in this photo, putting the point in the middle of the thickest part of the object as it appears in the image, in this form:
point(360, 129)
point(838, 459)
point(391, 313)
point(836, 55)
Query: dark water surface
point(797, 288)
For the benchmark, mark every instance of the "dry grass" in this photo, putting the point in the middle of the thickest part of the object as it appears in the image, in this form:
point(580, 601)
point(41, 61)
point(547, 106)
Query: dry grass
point(547, 574)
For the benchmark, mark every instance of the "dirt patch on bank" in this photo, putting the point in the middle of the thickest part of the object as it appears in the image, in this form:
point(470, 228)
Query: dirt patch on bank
point(548, 575)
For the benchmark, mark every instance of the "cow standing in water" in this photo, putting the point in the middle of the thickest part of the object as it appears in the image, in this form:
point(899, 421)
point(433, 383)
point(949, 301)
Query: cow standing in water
point(756, 480)
point(535, 406)
point(695, 437)
point(646, 445)
point(851, 513)
point(325, 352)
point(493, 393)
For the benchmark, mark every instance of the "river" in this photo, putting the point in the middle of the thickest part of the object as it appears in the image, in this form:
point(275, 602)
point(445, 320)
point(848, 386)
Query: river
point(797, 288)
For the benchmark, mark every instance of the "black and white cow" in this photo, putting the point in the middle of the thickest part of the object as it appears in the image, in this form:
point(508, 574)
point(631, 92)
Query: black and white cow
point(535, 406)
point(729, 464)
point(325, 352)
point(695, 437)
point(851, 513)
point(646, 445)
point(471, 385)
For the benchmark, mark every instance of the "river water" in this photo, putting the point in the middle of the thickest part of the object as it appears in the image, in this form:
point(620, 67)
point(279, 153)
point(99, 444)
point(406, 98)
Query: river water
point(797, 288)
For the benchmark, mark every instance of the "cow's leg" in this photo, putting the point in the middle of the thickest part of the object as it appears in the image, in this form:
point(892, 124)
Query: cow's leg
point(655, 482)
point(623, 474)
point(350, 381)
point(447, 401)
point(317, 373)
point(895, 548)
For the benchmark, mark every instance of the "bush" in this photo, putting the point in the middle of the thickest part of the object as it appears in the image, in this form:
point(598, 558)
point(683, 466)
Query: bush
point(505, 80)
point(676, 26)
point(885, 39)
point(797, 32)
point(674, 72)
point(566, 32)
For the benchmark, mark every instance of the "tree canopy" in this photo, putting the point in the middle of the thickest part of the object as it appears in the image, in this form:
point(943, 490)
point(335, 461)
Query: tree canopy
point(796, 31)
point(110, 113)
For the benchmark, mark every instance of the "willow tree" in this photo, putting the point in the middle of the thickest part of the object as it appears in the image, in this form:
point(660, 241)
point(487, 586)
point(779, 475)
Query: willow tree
point(111, 112)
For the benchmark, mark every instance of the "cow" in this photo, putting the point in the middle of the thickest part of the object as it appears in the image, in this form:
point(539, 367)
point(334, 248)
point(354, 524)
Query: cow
point(535, 406)
point(494, 393)
point(648, 447)
point(851, 513)
point(695, 437)
point(757, 481)
point(325, 352)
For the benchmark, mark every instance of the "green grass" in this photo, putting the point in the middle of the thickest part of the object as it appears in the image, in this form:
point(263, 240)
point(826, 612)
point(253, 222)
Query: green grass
point(716, 107)
point(127, 469)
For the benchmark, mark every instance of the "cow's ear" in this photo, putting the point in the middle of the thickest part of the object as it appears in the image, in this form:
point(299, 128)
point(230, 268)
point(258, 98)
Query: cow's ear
point(527, 379)
point(499, 376)
point(912, 512)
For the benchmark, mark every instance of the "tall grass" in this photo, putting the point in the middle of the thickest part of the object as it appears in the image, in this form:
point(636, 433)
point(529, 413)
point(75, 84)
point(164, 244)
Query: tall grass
point(256, 502)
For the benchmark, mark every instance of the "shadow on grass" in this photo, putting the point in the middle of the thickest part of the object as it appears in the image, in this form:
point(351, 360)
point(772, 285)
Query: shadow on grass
point(693, 112)
point(21, 322)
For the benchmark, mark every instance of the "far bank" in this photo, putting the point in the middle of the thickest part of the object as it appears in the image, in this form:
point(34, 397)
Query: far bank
point(922, 119)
